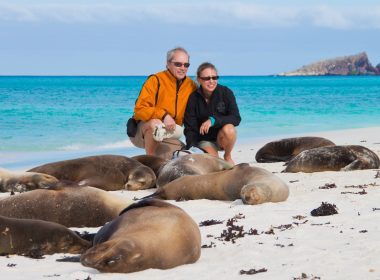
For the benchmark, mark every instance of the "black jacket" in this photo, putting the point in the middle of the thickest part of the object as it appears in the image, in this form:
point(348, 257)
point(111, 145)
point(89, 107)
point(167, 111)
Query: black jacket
point(222, 107)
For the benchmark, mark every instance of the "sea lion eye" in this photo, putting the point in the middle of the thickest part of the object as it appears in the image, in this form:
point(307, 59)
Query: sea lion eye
point(113, 260)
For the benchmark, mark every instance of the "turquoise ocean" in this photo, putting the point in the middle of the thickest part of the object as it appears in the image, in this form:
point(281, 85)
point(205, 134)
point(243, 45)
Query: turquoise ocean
point(45, 118)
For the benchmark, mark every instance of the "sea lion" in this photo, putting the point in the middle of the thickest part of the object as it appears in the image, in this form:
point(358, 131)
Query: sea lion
point(66, 204)
point(154, 162)
point(191, 164)
point(37, 237)
point(167, 147)
point(107, 172)
point(334, 158)
point(253, 185)
point(24, 181)
point(148, 234)
point(285, 149)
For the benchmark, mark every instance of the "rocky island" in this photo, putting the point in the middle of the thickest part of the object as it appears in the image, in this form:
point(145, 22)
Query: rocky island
point(341, 66)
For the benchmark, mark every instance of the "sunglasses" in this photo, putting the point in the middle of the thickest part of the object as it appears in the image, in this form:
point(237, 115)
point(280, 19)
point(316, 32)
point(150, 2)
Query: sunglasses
point(209, 78)
point(179, 64)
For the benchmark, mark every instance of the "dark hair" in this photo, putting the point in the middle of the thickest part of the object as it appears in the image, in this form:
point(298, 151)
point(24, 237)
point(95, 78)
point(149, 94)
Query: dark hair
point(204, 66)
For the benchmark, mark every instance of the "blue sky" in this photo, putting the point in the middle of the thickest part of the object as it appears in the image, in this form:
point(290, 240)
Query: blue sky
point(131, 37)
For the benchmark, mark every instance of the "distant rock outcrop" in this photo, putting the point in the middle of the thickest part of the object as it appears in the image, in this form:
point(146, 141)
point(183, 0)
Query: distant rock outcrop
point(341, 66)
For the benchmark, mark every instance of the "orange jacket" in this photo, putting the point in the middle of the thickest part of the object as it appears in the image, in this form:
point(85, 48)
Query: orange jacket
point(170, 99)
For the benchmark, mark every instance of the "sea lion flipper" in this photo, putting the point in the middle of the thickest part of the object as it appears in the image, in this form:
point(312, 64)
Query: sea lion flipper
point(95, 182)
point(144, 202)
point(62, 184)
point(69, 259)
point(355, 165)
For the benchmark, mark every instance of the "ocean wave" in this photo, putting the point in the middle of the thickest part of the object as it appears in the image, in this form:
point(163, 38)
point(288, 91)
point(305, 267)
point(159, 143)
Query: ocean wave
point(117, 145)
point(73, 147)
point(108, 146)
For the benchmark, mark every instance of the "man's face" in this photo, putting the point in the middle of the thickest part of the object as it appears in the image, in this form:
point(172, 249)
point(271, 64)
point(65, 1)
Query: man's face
point(177, 65)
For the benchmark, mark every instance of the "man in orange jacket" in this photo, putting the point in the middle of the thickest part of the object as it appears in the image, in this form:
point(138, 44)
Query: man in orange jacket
point(161, 105)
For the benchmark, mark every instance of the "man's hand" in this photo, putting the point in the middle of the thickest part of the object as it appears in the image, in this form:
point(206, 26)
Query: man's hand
point(205, 127)
point(169, 123)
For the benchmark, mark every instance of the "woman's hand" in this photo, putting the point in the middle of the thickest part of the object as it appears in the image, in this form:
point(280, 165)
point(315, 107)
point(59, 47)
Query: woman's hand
point(205, 127)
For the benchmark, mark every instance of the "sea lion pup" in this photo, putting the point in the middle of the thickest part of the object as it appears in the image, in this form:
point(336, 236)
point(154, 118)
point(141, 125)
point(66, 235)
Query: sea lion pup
point(148, 234)
point(154, 162)
point(107, 172)
point(191, 164)
point(285, 149)
point(24, 181)
point(334, 158)
point(253, 185)
point(37, 237)
point(66, 204)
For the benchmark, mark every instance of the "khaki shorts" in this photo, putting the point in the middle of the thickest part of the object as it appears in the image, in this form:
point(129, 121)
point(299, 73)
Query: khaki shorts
point(138, 140)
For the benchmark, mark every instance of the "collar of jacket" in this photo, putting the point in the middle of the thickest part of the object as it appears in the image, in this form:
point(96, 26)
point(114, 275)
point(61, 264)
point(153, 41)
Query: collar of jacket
point(200, 91)
point(172, 78)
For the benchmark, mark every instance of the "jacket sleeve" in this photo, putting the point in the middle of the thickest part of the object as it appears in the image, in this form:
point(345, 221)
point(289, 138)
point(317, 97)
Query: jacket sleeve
point(233, 115)
point(191, 124)
point(145, 108)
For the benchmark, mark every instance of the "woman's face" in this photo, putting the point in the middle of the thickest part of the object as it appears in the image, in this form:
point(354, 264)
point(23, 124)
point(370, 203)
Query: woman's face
point(208, 79)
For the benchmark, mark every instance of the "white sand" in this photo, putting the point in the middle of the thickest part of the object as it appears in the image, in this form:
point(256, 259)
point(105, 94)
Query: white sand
point(341, 246)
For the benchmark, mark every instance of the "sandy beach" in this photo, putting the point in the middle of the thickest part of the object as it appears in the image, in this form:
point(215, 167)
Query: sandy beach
point(276, 240)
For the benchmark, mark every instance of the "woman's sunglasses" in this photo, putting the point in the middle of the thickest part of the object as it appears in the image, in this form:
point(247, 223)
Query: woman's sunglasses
point(209, 78)
point(179, 64)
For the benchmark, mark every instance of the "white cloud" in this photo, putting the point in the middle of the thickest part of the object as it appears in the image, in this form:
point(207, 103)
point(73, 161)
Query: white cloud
point(241, 14)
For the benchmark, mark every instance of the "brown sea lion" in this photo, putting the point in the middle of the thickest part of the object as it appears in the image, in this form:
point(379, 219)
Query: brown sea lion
point(253, 185)
point(37, 237)
point(148, 234)
point(24, 181)
point(334, 158)
point(154, 162)
point(285, 149)
point(107, 172)
point(192, 164)
point(66, 204)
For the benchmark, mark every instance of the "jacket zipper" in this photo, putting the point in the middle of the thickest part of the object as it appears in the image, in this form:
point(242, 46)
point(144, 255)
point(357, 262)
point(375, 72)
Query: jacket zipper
point(176, 100)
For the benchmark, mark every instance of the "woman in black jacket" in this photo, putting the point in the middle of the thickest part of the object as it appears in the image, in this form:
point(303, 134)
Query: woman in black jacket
point(211, 115)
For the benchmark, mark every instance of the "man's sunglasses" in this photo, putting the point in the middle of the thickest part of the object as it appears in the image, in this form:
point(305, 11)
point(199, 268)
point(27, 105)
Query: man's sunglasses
point(209, 78)
point(179, 64)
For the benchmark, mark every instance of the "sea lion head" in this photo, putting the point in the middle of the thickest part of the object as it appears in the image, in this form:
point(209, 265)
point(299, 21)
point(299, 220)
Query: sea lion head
point(31, 181)
point(70, 243)
point(254, 194)
point(41, 181)
point(140, 178)
point(114, 256)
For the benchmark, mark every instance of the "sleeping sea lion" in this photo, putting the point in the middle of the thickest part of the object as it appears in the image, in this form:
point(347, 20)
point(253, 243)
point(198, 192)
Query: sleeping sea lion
point(334, 158)
point(148, 234)
point(66, 204)
point(24, 181)
point(107, 172)
point(253, 185)
point(285, 149)
point(191, 164)
point(37, 237)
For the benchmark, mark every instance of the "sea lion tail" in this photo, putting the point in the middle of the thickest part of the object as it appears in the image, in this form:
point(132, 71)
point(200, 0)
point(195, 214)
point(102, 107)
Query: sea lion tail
point(69, 259)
